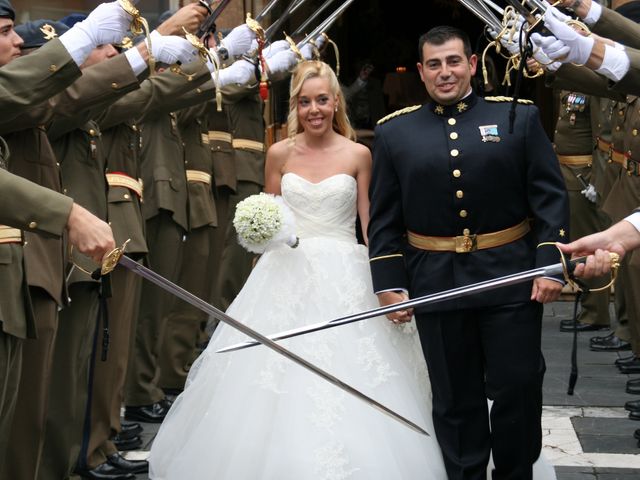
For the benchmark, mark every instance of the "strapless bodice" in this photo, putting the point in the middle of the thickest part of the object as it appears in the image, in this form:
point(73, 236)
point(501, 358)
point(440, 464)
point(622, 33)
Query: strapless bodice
point(323, 209)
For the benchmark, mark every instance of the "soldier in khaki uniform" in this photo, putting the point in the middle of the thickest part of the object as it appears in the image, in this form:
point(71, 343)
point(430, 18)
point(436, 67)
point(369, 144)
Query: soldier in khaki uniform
point(182, 333)
point(244, 110)
point(165, 213)
point(573, 143)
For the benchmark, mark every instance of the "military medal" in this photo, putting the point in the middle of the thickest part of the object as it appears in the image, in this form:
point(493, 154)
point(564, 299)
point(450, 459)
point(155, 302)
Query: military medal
point(489, 133)
point(572, 119)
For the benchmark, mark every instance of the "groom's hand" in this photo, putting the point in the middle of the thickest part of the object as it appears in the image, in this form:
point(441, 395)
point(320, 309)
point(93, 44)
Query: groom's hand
point(390, 298)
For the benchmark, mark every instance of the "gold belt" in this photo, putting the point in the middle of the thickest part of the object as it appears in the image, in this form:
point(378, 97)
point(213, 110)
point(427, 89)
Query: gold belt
point(575, 160)
point(248, 144)
point(10, 235)
point(123, 180)
point(218, 136)
point(617, 156)
point(198, 176)
point(469, 243)
point(603, 145)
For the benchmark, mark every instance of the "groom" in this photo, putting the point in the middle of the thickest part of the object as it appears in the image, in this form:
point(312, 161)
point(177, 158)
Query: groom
point(456, 199)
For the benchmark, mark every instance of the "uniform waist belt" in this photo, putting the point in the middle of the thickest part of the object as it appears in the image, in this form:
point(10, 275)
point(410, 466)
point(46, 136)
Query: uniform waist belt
point(603, 145)
point(248, 144)
point(198, 176)
point(575, 160)
point(469, 243)
point(10, 235)
point(123, 180)
point(618, 157)
point(218, 136)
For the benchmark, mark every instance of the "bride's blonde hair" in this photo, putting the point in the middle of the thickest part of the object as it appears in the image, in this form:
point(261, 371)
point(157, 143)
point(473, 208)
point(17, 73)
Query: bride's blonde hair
point(313, 69)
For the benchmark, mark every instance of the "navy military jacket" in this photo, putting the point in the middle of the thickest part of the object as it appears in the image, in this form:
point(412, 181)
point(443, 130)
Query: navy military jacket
point(449, 170)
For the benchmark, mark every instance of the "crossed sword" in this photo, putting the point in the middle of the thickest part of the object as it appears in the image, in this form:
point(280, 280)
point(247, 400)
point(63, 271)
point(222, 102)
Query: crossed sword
point(117, 257)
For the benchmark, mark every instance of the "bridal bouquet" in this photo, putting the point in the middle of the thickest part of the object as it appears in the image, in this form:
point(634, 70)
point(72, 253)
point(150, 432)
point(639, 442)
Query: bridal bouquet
point(263, 220)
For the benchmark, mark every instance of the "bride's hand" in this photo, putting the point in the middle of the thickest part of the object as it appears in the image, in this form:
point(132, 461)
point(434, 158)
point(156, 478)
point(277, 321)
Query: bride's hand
point(390, 298)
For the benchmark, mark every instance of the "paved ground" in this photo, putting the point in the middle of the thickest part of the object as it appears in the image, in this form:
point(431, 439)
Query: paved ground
point(587, 436)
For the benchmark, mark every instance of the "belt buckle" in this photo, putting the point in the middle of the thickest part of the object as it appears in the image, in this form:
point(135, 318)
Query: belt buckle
point(632, 167)
point(466, 243)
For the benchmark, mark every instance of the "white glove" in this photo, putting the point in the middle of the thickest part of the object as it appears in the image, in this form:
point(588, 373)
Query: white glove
point(241, 73)
point(171, 49)
point(307, 51)
point(238, 41)
point(320, 39)
point(540, 55)
point(274, 48)
point(590, 193)
point(282, 61)
point(578, 47)
point(106, 24)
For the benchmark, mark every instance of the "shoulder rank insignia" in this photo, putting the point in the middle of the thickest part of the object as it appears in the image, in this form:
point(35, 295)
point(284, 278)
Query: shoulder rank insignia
point(508, 99)
point(397, 113)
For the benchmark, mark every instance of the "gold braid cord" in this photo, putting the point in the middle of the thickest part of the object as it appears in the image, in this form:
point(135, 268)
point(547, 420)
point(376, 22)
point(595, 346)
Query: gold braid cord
point(139, 26)
point(256, 28)
point(294, 47)
point(615, 265)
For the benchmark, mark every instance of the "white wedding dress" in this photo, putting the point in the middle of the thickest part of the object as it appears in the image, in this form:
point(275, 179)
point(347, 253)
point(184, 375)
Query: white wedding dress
point(255, 415)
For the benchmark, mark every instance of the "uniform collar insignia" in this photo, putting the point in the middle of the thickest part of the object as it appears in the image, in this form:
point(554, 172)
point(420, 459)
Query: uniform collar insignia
point(48, 31)
point(489, 133)
point(562, 234)
point(458, 108)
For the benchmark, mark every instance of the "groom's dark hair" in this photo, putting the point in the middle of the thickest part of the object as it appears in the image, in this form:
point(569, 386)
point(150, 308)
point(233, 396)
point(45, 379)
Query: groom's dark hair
point(442, 34)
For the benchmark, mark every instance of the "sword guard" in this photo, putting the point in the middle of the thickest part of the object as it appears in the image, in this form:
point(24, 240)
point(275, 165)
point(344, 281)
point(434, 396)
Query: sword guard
point(110, 261)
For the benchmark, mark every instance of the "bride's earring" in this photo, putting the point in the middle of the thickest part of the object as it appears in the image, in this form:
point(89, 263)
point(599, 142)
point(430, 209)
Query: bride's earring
point(336, 109)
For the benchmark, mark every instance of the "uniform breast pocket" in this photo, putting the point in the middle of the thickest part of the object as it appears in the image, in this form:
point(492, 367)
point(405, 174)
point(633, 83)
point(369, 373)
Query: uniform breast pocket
point(119, 194)
point(174, 180)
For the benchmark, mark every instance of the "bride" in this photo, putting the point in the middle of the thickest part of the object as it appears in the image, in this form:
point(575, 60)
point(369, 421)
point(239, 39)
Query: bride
point(254, 415)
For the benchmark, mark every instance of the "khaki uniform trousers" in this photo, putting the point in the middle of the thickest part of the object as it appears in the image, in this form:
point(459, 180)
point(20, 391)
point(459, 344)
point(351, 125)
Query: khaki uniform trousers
point(70, 382)
point(182, 333)
point(164, 239)
point(110, 375)
point(30, 416)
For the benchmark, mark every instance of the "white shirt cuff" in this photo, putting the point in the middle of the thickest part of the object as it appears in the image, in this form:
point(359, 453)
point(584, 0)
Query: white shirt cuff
point(594, 13)
point(137, 63)
point(634, 219)
point(399, 290)
point(615, 63)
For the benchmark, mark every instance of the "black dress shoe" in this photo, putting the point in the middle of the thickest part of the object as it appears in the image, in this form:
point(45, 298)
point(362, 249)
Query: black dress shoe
point(128, 466)
point(600, 339)
point(636, 434)
point(611, 344)
point(153, 413)
point(630, 368)
point(633, 386)
point(635, 362)
point(106, 471)
point(126, 444)
point(632, 406)
point(634, 415)
point(567, 326)
point(623, 360)
point(129, 430)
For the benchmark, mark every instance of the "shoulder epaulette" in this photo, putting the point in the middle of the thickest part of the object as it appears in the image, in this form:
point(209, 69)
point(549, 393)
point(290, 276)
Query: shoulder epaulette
point(508, 99)
point(397, 113)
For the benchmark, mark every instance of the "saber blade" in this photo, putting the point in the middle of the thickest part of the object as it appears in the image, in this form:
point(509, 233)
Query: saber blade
point(200, 304)
point(454, 293)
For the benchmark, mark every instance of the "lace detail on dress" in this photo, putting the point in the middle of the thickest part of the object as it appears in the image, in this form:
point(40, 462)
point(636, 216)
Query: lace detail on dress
point(332, 463)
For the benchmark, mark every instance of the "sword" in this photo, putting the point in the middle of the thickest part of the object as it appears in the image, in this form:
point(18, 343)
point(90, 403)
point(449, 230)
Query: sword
point(116, 257)
point(480, 12)
point(311, 18)
point(265, 11)
point(459, 292)
point(274, 27)
point(325, 24)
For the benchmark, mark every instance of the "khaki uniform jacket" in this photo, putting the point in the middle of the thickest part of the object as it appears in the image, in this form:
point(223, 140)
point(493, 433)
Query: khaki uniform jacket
point(192, 123)
point(32, 79)
point(244, 109)
point(220, 143)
